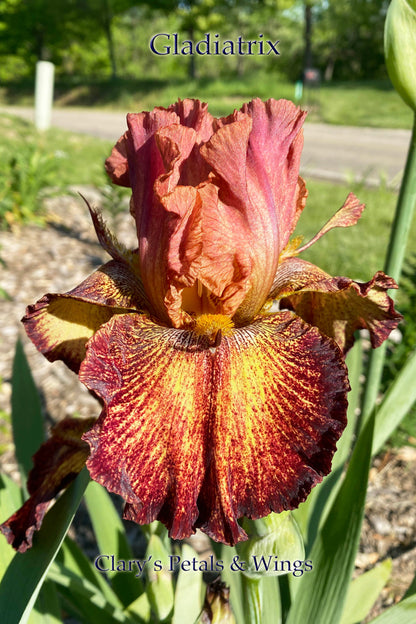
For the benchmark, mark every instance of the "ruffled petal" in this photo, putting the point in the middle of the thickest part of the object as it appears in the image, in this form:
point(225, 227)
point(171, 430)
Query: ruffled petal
point(273, 160)
point(56, 464)
point(151, 445)
point(255, 156)
point(116, 164)
point(338, 306)
point(145, 162)
point(199, 433)
point(194, 114)
point(169, 220)
point(60, 325)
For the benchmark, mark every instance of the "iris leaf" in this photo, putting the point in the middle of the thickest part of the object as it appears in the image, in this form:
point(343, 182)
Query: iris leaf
point(364, 591)
point(402, 613)
point(47, 609)
point(160, 587)
point(73, 559)
point(396, 404)
point(188, 594)
point(269, 591)
point(85, 598)
point(322, 591)
point(139, 609)
point(233, 581)
point(27, 420)
point(24, 576)
point(10, 500)
point(111, 538)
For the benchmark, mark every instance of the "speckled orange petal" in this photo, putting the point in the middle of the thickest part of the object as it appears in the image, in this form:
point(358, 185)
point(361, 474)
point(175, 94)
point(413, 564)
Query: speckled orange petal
point(60, 325)
point(152, 445)
point(55, 465)
point(280, 397)
point(198, 435)
point(338, 306)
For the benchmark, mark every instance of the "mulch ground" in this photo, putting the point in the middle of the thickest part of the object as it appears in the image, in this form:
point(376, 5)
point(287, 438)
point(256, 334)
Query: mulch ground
point(58, 257)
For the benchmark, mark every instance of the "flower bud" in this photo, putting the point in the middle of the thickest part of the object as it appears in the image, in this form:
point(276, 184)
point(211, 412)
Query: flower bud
point(217, 609)
point(400, 46)
point(274, 547)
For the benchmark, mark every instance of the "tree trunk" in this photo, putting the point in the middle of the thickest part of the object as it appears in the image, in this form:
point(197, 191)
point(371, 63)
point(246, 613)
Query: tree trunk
point(307, 59)
point(107, 21)
point(330, 66)
point(192, 65)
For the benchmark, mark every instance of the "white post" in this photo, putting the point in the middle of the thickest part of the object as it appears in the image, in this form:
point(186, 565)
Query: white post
point(43, 94)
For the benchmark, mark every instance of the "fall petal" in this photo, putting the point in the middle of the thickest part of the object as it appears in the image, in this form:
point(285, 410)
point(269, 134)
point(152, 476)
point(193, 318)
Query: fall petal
point(56, 464)
point(151, 446)
point(60, 325)
point(279, 391)
point(198, 435)
point(338, 306)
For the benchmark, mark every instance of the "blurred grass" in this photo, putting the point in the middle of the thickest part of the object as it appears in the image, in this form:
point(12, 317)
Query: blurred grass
point(357, 252)
point(79, 158)
point(373, 103)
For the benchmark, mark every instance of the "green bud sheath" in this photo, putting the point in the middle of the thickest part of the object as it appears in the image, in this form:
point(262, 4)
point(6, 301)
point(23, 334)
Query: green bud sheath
point(400, 46)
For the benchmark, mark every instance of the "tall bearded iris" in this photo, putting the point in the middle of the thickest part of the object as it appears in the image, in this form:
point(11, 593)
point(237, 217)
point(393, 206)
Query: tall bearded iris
point(213, 407)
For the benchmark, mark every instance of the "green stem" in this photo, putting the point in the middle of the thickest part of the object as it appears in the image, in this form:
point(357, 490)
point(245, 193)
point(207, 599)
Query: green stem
point(252, 600)
point(393, 266)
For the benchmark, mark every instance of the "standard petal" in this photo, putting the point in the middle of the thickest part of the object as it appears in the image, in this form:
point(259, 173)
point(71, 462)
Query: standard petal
point(255, 156)
point(60, 325)
point(197, 435)
point(56, 464)
point(116, 164)
point(145, 162)
point(194, 114)
point(273, 160)
point(338, 306)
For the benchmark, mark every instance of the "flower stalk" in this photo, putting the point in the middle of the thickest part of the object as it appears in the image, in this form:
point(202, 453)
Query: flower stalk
point(393, 265)
point(252, 599)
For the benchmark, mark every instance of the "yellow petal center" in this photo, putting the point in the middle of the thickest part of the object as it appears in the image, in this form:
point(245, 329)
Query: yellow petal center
point(211, 324)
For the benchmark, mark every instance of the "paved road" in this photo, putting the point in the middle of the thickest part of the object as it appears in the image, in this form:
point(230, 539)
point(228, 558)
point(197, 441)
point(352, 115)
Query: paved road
point(331, 152)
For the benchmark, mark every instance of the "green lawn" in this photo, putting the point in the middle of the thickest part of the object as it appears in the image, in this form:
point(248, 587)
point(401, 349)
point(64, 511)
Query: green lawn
point(356, 252)
point(362, 104)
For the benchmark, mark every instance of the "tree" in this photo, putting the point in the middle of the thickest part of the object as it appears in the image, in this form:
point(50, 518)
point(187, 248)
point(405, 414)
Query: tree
point(349, 38)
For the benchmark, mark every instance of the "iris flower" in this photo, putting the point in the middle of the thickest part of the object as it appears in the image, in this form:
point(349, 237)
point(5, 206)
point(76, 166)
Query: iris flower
point(215, 406)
